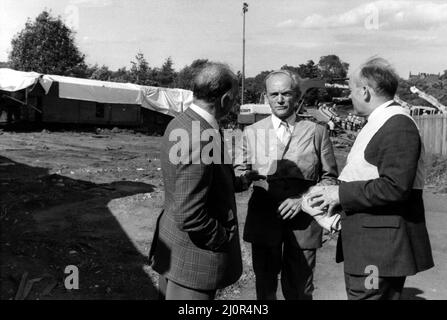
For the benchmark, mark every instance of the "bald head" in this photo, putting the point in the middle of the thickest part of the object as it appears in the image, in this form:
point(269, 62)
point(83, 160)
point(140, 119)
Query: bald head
point(213, 81)
point(294, 78)
point(378, 74)
point(282, 90)
point(372, 84)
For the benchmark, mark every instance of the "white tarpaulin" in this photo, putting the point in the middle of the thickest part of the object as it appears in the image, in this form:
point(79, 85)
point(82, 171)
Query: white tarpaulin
point(158, 99)
point(92, 90)
point(163, 100)
point(12, 80)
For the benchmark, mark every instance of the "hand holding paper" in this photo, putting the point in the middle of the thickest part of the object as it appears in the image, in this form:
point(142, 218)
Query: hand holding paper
point(315, 203)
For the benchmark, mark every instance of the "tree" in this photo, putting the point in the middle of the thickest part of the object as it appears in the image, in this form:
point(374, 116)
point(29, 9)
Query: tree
point(255, 88)
point(4, 65)
point(444, 76)
point(309, 70)
point(102, 73)
point(141, 73)
point(332, 67)
point(166, 75)
point(47, 46)
point(121, 75)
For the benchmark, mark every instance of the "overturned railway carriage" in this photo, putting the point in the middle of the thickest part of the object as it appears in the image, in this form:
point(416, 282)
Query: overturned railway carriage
point(74, 111)
point(10, 110)
point(57, 99)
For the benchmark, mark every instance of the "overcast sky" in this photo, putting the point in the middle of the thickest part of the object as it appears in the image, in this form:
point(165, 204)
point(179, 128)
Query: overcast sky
point(410, 33)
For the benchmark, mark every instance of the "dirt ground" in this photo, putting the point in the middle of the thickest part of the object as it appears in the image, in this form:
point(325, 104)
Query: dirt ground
point(90, 199)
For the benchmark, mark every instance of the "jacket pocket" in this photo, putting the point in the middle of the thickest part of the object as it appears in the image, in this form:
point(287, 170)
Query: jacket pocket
point(381, 222)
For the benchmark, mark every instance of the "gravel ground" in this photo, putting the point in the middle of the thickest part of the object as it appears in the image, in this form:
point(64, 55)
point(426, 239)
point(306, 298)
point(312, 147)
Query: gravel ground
point(90, 199)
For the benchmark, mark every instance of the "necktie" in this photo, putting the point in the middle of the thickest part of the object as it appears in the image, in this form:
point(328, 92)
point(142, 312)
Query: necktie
point(286, 133)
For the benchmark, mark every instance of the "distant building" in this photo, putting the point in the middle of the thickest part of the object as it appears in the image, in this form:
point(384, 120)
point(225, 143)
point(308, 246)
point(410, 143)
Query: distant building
point(425, 76)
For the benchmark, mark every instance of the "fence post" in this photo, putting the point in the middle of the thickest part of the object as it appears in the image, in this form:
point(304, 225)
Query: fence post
point(444, 135)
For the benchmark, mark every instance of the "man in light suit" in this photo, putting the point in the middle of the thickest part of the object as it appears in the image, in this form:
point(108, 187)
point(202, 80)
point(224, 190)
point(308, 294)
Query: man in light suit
point(196, 247)
point(294, 154)
point(384, 237)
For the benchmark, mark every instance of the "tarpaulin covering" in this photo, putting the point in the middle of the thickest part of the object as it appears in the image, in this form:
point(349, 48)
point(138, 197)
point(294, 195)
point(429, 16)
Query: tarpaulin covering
point(92, 90)
point(12, 80)
point(163, 100)
point(157, 99)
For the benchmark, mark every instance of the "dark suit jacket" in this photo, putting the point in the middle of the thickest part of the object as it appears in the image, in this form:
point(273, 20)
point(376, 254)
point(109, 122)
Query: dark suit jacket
point(196, 243)
point(307, 160)
point(384, 220)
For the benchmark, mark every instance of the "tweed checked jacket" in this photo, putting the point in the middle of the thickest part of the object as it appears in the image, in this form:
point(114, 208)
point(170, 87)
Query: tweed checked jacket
point(196, 243)
point(291, 170)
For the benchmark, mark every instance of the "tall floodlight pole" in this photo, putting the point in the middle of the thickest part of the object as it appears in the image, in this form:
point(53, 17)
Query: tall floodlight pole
point(244, 10)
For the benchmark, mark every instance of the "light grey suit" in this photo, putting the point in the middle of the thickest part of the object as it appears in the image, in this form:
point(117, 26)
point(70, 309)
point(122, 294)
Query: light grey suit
point(308, 159)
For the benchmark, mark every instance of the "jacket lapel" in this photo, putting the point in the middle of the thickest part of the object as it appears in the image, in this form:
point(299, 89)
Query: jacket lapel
point(204, 125)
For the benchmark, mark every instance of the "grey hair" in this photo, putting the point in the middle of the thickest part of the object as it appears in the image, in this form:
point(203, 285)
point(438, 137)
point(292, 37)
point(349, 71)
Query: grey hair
point(213, 80)
point(379, 75)
point(296, 80)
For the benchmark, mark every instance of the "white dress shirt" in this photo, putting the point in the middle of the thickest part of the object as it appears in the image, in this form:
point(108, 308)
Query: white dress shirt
point(208, 117)
point(284, 128)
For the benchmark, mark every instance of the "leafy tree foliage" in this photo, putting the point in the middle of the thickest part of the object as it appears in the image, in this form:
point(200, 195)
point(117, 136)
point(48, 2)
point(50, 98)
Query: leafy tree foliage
point(255, 88)
point(121, 75)
point(140, 72)
point(166, 75)
point(332, 67)
point(103, 73)
point(47, 45)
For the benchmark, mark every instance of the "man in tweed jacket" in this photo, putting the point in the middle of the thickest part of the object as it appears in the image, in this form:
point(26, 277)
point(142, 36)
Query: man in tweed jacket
point(196, 248)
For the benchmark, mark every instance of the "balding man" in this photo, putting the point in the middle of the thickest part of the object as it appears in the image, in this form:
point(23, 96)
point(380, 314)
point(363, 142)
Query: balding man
point(298, 155)
point(384, 238)
point(196, 247)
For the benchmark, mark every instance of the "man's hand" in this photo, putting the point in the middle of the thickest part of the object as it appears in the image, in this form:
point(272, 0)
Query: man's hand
point(325, 199)
point(252, 175)
point(289, 208)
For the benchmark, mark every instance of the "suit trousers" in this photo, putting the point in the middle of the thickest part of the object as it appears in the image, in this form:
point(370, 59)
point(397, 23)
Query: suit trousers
point(169, 290)
point(389, 288)
point(296, 266)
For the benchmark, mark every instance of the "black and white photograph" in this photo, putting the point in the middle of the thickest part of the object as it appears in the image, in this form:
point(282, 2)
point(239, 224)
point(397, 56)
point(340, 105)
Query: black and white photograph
point(235, 151)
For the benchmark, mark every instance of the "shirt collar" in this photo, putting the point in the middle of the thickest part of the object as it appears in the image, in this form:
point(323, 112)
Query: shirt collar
point(377, 111)
point(277, 121)
point(208, 117)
